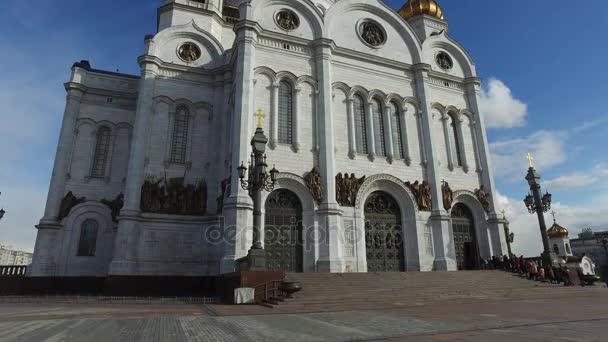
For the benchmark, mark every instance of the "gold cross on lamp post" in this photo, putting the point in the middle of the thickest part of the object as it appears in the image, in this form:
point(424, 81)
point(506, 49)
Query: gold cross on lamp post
point(530, 160)
point(260, 115)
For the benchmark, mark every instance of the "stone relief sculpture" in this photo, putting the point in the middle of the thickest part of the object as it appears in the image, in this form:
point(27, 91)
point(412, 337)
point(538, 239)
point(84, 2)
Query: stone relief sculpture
point(448, 195)
point(372, 34)
point(224, 192)
point(347, 188)
point(173, 196)
point(288, 20)
point(482, 196)
point(115, 205)
point(67, 203)
point(422, 193)
point(313, 182)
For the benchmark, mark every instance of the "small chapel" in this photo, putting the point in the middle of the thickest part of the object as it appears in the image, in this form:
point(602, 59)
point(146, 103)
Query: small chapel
point(373, 121)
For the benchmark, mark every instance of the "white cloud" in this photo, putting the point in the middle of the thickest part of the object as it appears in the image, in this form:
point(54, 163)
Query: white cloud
point(509, 156)
point(500, 108)
point(526, 228)
point(580, 178)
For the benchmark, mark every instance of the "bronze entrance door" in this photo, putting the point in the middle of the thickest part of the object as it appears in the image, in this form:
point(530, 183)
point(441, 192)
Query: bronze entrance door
point(283, 232)
point(465, 244)
point(383, 235)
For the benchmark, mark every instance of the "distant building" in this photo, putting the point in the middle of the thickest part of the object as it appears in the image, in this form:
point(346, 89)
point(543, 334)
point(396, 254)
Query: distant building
point(10, 257)
point(586, 243)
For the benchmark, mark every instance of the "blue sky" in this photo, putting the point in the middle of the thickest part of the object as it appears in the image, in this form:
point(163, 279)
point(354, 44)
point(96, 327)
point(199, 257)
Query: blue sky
point(543, 65)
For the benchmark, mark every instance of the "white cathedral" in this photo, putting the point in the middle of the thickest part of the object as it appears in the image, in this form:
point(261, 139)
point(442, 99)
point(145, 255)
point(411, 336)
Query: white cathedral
point(373, 122)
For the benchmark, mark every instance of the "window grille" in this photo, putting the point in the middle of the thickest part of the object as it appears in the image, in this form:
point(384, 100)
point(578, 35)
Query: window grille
point(379, 128)
point(285, 115)
point(179, 143)
point(88, 238)
point(102, 149)
point(360, 129)
point(396, 124)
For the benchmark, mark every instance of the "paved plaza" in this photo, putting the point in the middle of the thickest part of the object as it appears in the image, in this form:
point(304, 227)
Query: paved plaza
point(580, 318)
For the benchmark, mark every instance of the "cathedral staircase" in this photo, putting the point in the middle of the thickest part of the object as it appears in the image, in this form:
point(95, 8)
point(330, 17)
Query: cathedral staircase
point(368, 291)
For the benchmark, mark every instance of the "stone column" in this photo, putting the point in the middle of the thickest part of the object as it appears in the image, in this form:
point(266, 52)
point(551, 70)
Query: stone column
point(352, 133)
point(330, 230)
point(440, 220)
point(404, 136)
point(448, 140)
point(125, 257)
point(295, 120)
point(238, 209)
point(495, 223)
point(371, 143)
point(64, 147)
point(274, 119)
point(461, 146)
point(44, 261)
point(388, 133)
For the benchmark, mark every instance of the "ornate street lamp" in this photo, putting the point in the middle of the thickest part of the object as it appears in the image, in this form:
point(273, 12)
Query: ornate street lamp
point(258, 179)
point(509, 237)
point(2, 211)
point(538, 205)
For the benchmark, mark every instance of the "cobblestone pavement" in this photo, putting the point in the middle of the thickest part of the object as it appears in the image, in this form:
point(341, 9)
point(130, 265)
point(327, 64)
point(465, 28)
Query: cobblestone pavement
point(570, 319)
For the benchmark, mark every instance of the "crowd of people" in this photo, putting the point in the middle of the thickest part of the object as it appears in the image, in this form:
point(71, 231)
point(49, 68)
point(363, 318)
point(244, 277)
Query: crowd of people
point(530, 268)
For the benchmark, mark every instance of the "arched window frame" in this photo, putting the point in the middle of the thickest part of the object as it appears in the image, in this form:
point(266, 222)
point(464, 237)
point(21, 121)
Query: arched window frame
point(379, 129)
point(359, 114)
point(555, 249)
point(453, 138)
point(397, 131)
point(180, 135)
point(192, 115)
point(87, 242)
point(286, 112)
point(102, 152)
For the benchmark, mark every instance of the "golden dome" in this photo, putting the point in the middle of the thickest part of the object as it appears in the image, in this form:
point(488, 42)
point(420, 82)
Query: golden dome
point(414, 8)
point(557, 232)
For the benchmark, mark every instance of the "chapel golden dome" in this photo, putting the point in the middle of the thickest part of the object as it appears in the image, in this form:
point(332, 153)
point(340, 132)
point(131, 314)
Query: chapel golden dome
point(414, 8)
point(557, 232)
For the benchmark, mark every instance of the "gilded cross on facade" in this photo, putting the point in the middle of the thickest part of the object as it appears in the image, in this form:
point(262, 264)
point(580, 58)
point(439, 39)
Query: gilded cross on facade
point(530, 160)
point(260, 115)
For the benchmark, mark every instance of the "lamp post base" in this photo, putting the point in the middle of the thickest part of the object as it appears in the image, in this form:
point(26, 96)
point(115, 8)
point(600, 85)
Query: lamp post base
point(254, 261)
point(549, 259)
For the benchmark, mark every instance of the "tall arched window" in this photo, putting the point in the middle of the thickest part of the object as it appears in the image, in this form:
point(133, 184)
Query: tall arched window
point(555, 249)
point(360, 129)
point(378, 127)
point(568, 249)
point(285, 114)
point(179, 141)
point(88, 238)
point(397, 136)
point(102, 149)
point(455, 139)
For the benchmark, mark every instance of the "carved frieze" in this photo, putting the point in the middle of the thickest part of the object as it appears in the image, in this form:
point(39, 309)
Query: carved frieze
point(347, 188)
point(115, 205)
point(448, 195)
point(173, 196)
point(67, 203)
point(223, 193)
point(313, 182)
point(483, 198)
point(422, 193)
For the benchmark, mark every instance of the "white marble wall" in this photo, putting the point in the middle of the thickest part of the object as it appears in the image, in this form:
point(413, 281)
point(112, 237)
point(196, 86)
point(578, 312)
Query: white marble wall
point(240, 67)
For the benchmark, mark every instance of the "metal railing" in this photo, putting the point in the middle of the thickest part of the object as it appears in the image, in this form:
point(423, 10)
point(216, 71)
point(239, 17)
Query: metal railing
point(268, 290)
point(76, 299)
point(13, 271)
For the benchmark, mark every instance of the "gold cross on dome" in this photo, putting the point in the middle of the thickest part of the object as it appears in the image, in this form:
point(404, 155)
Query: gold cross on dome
point(530, 159)
point(260, 115)
point(553, 213)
